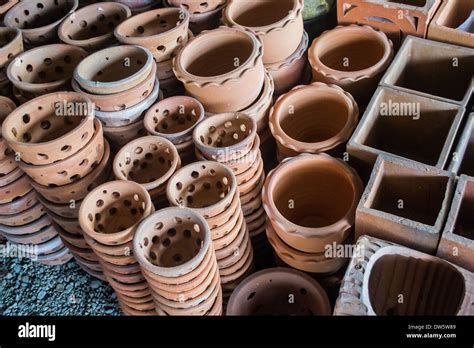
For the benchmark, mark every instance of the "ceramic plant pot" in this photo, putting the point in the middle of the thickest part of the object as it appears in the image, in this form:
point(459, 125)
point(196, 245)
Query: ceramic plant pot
point(134, 4)
point(92, 27)
point(222, 68)
point(268, 292)
point(280, 26)
point(162, 31)
point(39, 24)
point(352, 57)
point(20, 204)
point(11, 45)
point(205, 20)
point(114, 69)
point(306, 215)
point(120, 136)
point(194, 7)
point(313, 119)
point(49, 128)
point(45, 69)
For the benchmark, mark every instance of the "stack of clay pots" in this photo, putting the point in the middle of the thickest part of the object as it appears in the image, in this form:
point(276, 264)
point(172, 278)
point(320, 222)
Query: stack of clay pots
point(11, 44)
point(163, 32)
point(210, 189)
point(121, 82)
point(176, 255)
point(60, 146)
point(92, 27)
point(109, 216)
point(232, 140)
point(149, 161)
point(175, 118)
point(311, 201)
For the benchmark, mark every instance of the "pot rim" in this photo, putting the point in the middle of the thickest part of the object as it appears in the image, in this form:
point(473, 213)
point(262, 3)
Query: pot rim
point(18, 35)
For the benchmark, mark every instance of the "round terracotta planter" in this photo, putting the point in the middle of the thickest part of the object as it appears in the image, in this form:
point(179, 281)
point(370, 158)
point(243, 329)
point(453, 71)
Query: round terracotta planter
point(11, 45)
point(162, 31)
point(268, 292)
point(197, 6)
point(92, 27)
point(120, 136)
point(69, 210)
point(205, 20)
point(45, 69)
point(39, 24)
point(306, 215)
point(149, 161)
point(313, 119)
point(114, 69)
point(280, 26)
point(207, 67)
point(111, 212)
point(43, 132)
point(352, 57)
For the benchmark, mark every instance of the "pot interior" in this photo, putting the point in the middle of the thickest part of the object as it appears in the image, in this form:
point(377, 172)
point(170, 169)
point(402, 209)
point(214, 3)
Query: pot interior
point(467, 164)
point(260, 13)
point(402, 285)
point(224, 133)
point(172, 118)
point(455, 13)
point(37, 14)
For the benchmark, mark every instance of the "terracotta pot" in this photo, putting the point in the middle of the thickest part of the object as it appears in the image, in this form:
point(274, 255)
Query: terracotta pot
point(6, 106)
point(309, 216)
point(149, 161)
point(11, 45)
point(172, 87)
point(17, 188)
point(100, 74)
point(352, 57)
point(92, 27)
point(7, 161)
point(206, 66)
point(135, 3)
point(43, 235)
point(41, 137)
point(313, 119)
point(69, 210)
point(120, 136)
point(19, 204)
point(111, 212)
point(32, 227)
point(57, 258)
point(280, 27)
point(197, 6)
point(39, 24)
point(267, 293)
point(31, 214)
point(162, 31)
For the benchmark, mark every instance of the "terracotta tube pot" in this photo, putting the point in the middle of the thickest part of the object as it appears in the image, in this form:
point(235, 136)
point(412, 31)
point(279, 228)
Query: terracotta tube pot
point(11, 45)
point(92, 27)
point(112, 211)
point(50, 128)
point(306, 215)
point(267, 292)
point(149, 161)
point(280, 26)
point(207, 67)
point(39, 24)
point(313, 119)
point(197, 6)
point(162, 31)
point(114, 69)
point(352, 57)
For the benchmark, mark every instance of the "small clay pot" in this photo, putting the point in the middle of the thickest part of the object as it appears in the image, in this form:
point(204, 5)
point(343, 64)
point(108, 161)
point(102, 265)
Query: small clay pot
point(267, 293)
point(6, 106)
point(111, 212)
point(11, 45)
point(194, 6)
point(313, 119)
point(40, 224)
point(120, 136)
point(70, 210)
point(49, 128)
point(17, 188)
point(19, 204)
point(92, 27)
point(149, 161)
point(207, 67)
point(280, 26)
point(114, 69)
point(39, 24)
point(31, 214)
point(162, 31)
point(352, 57)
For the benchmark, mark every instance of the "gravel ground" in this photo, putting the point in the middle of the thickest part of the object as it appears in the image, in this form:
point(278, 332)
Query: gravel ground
point(30, 288)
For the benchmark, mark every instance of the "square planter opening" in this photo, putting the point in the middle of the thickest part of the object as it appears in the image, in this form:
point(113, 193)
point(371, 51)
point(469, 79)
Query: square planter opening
point(463, 160)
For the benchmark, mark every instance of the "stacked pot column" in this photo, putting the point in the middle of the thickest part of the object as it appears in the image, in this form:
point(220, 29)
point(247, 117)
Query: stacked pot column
point(11, 45)
point(121, 82)
point(176, 255)
point(210, 189)
point(232, 140)
point(162, 31)
point(109, 216)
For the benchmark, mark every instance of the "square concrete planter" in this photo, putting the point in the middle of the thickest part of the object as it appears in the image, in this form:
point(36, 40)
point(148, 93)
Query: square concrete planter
point(433, 69)
point(457, 240)
point(451, 15)
point(403, 125)
point(405, 202)
point(463, 158)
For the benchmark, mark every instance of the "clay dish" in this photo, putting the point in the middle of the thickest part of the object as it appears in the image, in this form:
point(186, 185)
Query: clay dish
point(38, 22)
point(11, 44)
point(111, 212)
point(49, 128)
point(206, 187)
point(17, 188)
point(207, 67)
point(45, 69)
point(114, 69)
point(174, 118)
point(162, 31)
point(92, 27)
point(267, 292)
point(196, 6)
point(149, 161)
